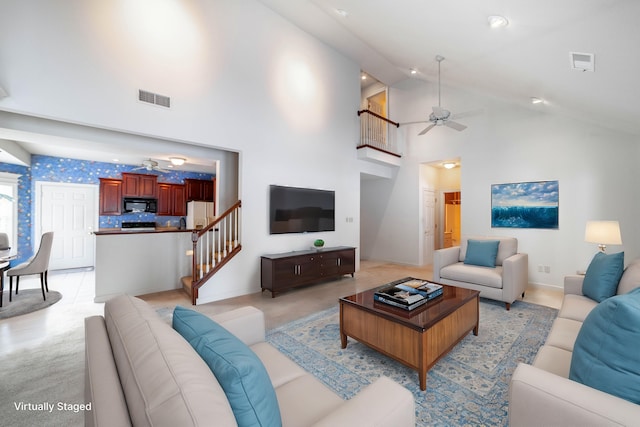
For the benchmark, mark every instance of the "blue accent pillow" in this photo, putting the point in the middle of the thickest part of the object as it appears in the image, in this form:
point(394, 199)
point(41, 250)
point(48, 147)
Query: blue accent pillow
point(602, 276)
point(239, 371)
point(481, 252)
point(606, 354)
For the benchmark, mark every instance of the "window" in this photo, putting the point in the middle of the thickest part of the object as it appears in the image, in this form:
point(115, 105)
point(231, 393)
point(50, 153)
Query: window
point(9, 207)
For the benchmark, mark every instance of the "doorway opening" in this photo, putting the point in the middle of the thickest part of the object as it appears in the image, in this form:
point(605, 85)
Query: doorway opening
point(442, 225)
point(451, 220)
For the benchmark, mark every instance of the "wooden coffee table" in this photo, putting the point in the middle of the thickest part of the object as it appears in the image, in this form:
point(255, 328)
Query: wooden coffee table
point(417, 338)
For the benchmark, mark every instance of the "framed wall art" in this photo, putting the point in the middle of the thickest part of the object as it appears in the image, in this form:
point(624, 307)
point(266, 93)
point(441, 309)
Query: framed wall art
point(525, 205)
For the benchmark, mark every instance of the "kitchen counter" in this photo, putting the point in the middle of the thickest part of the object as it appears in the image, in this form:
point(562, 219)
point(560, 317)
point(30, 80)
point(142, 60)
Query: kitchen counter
point(110, 231)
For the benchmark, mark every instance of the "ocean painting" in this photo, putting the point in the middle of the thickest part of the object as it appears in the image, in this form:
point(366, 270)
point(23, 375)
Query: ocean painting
point(525, 205)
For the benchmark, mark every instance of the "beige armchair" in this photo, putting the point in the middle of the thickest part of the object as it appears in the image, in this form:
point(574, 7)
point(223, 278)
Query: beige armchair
point(505, 281)
point(39, 264)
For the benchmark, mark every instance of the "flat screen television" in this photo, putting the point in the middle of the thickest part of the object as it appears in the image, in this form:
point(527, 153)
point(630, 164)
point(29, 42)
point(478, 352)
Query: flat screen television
point(301, 210)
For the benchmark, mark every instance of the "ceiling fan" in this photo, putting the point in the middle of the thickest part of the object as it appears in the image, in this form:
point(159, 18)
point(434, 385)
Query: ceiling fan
point(151, 165)
point(440, 116)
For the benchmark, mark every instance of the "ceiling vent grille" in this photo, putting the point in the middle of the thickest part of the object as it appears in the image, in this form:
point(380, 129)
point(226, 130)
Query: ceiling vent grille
point(154, 98)
point(582, 61)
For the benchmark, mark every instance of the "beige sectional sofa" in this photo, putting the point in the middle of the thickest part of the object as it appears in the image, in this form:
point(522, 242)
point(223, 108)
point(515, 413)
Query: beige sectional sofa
point(506, 281)
point(541, 394)
point(141, 372)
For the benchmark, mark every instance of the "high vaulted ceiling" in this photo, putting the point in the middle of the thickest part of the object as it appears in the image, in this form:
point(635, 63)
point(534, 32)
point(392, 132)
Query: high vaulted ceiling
point(528, 58)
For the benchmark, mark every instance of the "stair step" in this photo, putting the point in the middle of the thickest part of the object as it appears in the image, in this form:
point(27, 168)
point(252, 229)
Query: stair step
point(187, 281)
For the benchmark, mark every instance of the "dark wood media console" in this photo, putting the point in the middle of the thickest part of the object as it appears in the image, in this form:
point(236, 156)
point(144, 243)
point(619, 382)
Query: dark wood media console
point(280, 272)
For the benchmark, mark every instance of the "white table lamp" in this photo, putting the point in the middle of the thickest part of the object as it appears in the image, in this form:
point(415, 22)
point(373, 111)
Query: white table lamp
point(603, 233)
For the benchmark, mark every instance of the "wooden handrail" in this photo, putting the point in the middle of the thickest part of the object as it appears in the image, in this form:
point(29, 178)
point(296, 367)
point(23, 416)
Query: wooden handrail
point(379, 116)
point(235, 206)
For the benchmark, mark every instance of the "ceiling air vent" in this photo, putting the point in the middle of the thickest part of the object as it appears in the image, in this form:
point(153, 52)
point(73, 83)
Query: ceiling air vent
point(154, 98)
point(581, 61)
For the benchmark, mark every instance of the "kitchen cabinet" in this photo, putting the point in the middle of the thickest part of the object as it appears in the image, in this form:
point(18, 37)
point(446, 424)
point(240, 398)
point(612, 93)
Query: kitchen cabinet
point(171, 200)
point(139, 185)
point(280, 272)
point(110, 196)
point(200, 190)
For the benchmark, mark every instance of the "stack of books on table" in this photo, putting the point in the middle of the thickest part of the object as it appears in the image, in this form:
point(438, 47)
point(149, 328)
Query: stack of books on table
point(408, 293)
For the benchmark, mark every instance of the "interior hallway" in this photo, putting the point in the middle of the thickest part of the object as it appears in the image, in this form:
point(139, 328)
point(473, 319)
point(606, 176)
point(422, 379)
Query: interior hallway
point(77, 289)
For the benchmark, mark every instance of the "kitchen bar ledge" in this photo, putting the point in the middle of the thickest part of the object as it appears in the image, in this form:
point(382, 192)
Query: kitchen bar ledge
point(140, 262)
point(109, 231)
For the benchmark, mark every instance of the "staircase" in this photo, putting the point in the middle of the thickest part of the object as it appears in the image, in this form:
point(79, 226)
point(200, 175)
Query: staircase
point(213, 247)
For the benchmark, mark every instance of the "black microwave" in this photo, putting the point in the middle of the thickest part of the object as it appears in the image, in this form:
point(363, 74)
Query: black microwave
point(133, 205)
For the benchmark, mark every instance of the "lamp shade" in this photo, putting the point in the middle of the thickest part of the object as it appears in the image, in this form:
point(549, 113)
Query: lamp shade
point(603, 232)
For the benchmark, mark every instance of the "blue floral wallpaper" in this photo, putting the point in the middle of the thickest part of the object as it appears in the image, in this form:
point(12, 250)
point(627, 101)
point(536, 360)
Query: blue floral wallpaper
point(57, 169)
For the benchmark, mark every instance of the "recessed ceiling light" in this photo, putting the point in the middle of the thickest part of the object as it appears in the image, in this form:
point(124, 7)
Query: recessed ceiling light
point(535, 100)
point(449, 165)
point(497, 21)
point(115, 160)
point(342, 12)
point(364, 76)
point(413, 71)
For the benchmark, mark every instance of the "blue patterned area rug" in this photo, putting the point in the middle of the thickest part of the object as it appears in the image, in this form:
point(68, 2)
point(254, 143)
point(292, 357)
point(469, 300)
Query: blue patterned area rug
point(469, 386)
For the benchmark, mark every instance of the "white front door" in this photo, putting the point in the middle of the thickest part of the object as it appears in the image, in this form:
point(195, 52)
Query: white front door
point(428, 213)
point(70, 211)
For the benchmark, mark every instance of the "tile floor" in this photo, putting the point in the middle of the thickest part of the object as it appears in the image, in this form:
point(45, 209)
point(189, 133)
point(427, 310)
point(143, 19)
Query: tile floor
point(77, 288)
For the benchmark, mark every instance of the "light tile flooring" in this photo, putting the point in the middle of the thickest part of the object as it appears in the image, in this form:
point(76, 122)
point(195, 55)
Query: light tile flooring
point(77, 288)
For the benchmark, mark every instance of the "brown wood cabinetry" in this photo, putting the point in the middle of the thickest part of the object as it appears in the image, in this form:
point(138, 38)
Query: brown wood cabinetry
point(139, 185)
point(110, 196)
point(280, 272)
point(171, 200)
point(200, 189)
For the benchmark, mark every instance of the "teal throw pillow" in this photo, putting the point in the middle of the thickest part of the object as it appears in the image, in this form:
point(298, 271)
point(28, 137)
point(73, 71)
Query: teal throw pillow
point(602, 276)
point(482, 252)
point(606, 354)
point(239, 371)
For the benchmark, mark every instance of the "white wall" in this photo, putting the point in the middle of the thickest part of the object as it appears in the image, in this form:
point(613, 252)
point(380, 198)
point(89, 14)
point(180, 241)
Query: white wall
point(596, 169)
point(240, 78)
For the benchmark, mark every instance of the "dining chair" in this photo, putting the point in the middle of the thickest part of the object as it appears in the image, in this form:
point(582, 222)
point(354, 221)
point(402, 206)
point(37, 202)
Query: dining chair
point(5, 249)
point(39, 264)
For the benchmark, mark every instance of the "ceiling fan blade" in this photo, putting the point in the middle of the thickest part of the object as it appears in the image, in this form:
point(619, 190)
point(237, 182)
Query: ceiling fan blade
point(455, 125)
point(428, 128)
point(413, 123)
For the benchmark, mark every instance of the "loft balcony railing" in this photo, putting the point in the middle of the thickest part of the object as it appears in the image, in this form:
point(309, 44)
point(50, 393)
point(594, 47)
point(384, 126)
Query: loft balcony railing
point(378, 132)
